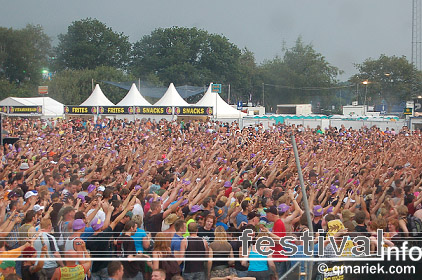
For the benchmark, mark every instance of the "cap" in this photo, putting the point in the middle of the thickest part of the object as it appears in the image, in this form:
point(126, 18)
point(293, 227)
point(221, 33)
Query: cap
point(272, 210)
point(82, 197)
point(252, 215)
point(221, 213)
point(318, 211)
point(96, 224)
point(30, 193)
point(6, 264)
point(12, 194)
point(194, 209)
point(170, 219)
point(330, 209)
point(24, 166)
point(78, 224)
point(129, 214)
point(227, 184)
point(91, 188)
point(346, 214)
point(334, 189)
point(38, 207)
point(283, 207)
point(101, 188)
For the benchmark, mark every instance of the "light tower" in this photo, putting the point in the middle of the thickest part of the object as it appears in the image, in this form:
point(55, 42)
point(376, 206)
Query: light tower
point(416, 34)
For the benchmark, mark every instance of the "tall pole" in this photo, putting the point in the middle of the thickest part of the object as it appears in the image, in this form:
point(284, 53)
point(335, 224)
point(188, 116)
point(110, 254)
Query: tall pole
point(304, 197)
point(92, 84)
point(216, 93)
point(263, 95)
point(228, 99)
point(139, 84)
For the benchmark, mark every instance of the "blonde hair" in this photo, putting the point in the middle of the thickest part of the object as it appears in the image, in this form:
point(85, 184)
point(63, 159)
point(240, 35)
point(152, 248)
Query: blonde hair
point(220, 234)
point(45, 223)
point(402, 210)
point(138, 220)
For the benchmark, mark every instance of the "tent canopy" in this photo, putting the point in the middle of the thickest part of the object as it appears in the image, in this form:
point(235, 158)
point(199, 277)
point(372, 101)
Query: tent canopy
point(133, 98)
point(171, 98)
point(220, 108)
point(97, 98)
point(51, 107)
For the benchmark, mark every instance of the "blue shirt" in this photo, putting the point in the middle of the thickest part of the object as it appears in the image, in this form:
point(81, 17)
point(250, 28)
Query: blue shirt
point(176, 241)
point(257, 265)
point(138, 237)
point(241, 218)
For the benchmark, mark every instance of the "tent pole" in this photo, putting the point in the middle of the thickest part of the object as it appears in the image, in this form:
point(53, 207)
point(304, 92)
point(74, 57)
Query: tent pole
point(139, 84)
point(92, 84)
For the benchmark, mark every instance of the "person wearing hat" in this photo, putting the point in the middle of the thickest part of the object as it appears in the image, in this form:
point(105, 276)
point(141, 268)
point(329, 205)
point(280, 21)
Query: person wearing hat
point(253, 219)
point(7, 268)
point(347, 217)
point(192, 217)
point(222, 217)
point(168, 224)
point(74, 242)
point(318, 211)
point(280, 231)
point(286, 217)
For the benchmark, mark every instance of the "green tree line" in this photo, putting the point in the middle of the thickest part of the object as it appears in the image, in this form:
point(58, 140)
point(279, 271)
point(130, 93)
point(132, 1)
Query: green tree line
point(92, 50)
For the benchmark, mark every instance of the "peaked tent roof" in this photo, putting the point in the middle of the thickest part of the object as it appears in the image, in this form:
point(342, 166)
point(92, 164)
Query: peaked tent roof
point(171, 98)
point(51, 107)
point(133, 98)
point(222, 109)
point(97, 98)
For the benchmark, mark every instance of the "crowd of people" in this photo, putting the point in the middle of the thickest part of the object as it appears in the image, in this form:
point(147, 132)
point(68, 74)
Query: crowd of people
point(113, 199)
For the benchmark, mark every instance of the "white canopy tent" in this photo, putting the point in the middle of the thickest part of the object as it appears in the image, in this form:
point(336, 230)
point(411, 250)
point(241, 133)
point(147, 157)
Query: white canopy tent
point(133, 98)
point(171, 98)
point(97, 98)
point(51, 107)
point(220, 108)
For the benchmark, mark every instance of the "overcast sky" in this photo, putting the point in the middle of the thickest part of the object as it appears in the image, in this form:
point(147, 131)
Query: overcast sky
point(344, 31)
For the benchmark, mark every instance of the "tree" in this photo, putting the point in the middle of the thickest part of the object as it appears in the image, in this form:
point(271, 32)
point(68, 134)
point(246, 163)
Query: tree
point(300, 76)
point(185, 56)
point(392, 79)
point(23, 54)
point(72, 87)
point(89, 43)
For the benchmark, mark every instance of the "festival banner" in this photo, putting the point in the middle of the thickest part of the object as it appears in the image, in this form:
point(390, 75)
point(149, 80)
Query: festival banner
point(193, 111)
point(115, 110)
point(153, 110)
point(25, 110)
point(3, 109)
point(80, 110)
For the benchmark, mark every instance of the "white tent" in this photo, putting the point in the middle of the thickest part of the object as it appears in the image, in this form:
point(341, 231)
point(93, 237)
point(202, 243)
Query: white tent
point(171, 98)
point(220, 107)
point(133, 98)
point(97, 98)
point(51, 107)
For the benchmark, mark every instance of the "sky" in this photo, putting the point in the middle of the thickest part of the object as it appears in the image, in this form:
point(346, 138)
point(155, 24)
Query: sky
point(345, 32)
